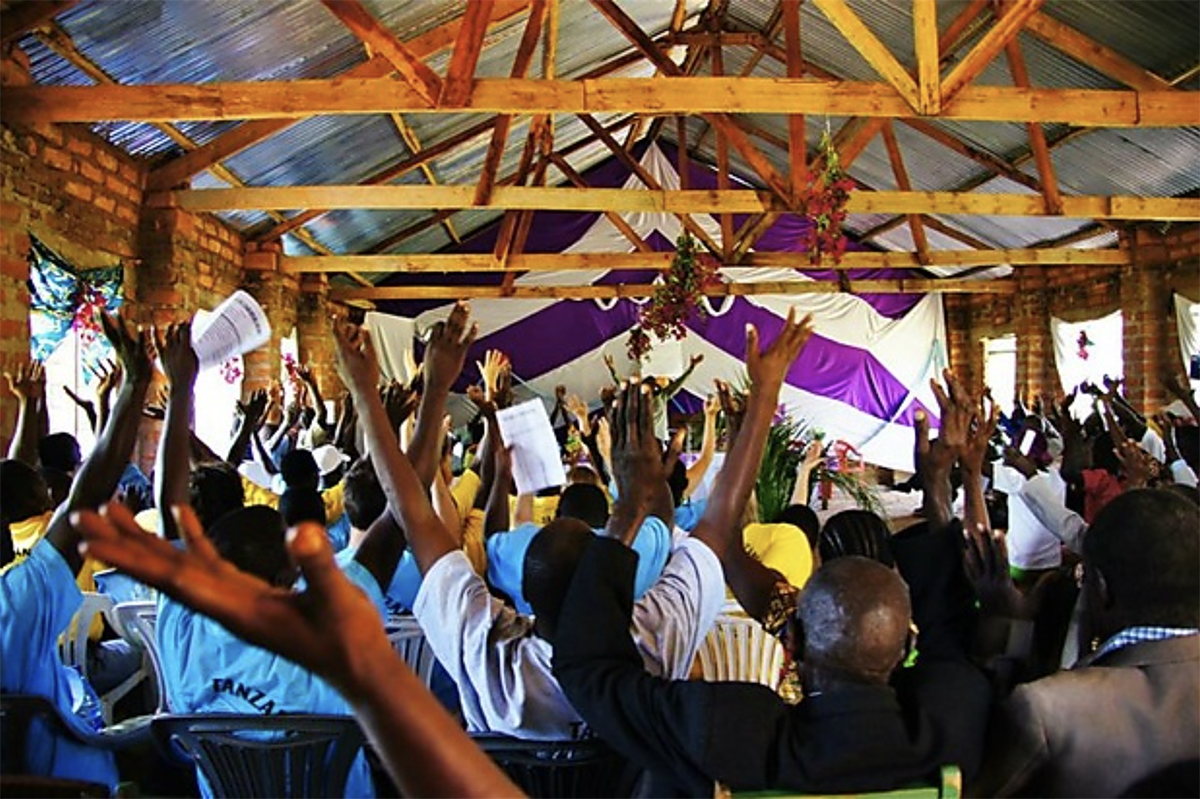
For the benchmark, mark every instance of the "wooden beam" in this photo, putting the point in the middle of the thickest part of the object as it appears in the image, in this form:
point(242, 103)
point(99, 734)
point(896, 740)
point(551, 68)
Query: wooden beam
point(874, 51)
point(737, 201)
point(495, 151)
point(960, 29)
point(394, 240)
point(903, 184)
point(1005, 29)
point(933, 223)
point(616, 219)
point(178, 170)
point(925, 41)
point(370, 31)
point(648, 259)
point(409, 137)
point(726, 219)
point(990, 162)
point(797, 143)
point(20, 18)
point(606, 291)
point(460, 74)
point(685, 95)
point(1090, 52)
point(1037, 137)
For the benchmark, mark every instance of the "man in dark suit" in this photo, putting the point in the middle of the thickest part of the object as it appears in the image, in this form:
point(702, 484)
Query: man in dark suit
point(851, 732)
point(1131, 710)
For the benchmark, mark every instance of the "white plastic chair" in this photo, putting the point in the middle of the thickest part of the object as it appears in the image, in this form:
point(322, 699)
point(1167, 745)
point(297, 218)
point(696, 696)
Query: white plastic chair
point(738, 649)
point(73, 649)
point(408, 639)
point(137, 622)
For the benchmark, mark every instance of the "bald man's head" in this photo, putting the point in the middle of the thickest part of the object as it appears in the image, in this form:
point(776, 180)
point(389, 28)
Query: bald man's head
point(855, 615)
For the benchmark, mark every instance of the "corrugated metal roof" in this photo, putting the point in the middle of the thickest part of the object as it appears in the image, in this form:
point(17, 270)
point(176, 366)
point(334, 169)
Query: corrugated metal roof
point(195, 41)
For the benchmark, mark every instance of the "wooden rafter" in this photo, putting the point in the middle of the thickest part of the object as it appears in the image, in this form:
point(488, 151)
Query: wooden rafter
point(420, 78)
point(616, 219)
point(495, 151)
point(903, 184)
point(869, 47)
point(647, 179)
point(683, 95)
point(925, 41)
point(646, 258)
point(614, 291)
point(413, 143)
point(738, 201)
point(386, 175)
point(1005, 29)
point(20, 18)
point(1088, 51)
point(737, 139)
point(460, 74)
point(717, 65)
point(1037, 136)
point(248, 134)
point(797, 144)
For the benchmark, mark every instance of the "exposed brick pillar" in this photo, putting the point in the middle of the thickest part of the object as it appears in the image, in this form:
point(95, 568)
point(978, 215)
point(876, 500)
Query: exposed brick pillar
point(1036, 372)
point(964, 350)
point(277, 293)
point(314, 333)
point(1145, 312)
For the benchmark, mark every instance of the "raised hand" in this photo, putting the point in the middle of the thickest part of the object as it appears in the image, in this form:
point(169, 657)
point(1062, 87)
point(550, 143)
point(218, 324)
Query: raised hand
point(179, 360)
point(133, 347)
point(28, 382)
point(696, 359)
point(976, 444)
point(356, 361)
point(955, 410)
point(254, 412)
point(399, 401)
point(156, 406)
point(493, 364)
point(812, 457)
point(768, 367)
point(447, 350)
point(579, 409)
point(86, 405)
point(712, 406)
point(637, 461)
point(986, 561)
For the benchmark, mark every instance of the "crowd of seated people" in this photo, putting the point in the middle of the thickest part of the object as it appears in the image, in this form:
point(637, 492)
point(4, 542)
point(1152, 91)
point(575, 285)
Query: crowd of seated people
point(1043, 639)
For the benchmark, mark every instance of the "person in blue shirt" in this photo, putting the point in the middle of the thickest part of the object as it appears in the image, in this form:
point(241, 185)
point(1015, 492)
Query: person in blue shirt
point(506, 551)
point(38, 596)
point(207, 668)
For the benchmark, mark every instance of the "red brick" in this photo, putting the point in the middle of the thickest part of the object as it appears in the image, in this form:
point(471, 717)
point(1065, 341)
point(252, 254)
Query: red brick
point(50, 132)
point(91, 172)
point(107, 160)
point(58, 159)
point(127, 213)
point(116, 185)
point(130, 173)
point(80, 190)
point(14, 266)
point(80, 146)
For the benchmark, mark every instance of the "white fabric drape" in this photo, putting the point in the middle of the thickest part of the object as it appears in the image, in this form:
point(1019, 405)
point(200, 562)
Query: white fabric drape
point(393, 339)
point(1187, 318)
point(1105, 355)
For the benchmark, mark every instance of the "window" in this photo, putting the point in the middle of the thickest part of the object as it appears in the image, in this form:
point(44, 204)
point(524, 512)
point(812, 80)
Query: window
point(65, 369)
point(1000, 370)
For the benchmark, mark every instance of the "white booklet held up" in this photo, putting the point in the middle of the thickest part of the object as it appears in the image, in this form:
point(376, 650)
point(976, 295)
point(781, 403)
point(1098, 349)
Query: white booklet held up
point(535, 460)
point(237, 326)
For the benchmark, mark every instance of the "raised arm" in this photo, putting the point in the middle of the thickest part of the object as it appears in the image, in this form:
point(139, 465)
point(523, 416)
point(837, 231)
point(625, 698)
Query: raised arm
point(28, 385)
point(251, 416)
point(315, 400)
point(330, 628)
point(708, 446)
point(408, 498)
point(1179, 386)
point(675, 385)
point(812, 459)
point(719, 527)
point(972, 454)
point(444, 357)
point(172, 468)
point(638, 465)
point(97, 478)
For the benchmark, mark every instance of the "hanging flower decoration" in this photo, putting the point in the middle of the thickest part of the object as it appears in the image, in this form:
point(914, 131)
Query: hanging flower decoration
point(90, 304)
point(676, 298)
point(826, 193)
point(1084, 342)
point(231, 370)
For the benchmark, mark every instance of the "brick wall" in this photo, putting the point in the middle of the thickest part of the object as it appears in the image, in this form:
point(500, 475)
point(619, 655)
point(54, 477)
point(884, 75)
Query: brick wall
point(1163, 263)
point(79, 196)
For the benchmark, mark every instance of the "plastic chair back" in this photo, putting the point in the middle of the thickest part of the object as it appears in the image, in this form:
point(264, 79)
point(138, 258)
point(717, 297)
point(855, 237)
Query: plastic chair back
point(947, 785)
point(408, 639)
point(137, 622)
point(288, 755)
point(738, 649)
point(72, 647)
point(587, 768)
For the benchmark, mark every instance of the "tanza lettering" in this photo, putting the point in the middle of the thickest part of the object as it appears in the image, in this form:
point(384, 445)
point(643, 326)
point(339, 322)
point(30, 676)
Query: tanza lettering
point(254, 697)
